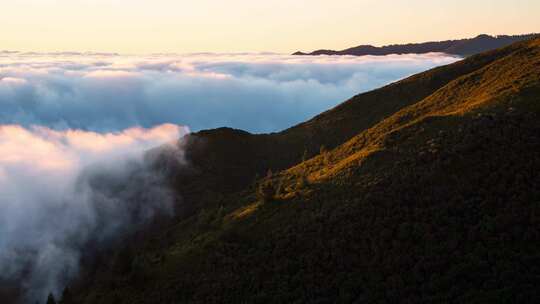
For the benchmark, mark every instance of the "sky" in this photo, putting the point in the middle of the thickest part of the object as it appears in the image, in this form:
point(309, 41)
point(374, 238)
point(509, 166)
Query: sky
point(144, 26)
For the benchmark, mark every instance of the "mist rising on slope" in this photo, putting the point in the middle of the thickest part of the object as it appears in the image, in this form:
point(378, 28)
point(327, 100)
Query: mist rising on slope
point(61, 190)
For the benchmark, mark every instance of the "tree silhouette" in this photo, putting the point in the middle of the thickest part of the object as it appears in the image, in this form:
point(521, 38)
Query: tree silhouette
point(50, 299)
point(66, 297)
point(266, 191)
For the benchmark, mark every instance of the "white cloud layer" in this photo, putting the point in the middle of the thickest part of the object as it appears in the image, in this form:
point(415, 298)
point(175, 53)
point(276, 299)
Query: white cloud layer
point(254, 92)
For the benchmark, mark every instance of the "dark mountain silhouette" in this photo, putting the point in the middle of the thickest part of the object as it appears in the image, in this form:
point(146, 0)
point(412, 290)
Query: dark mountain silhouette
point(425, 190)
point(461, 47)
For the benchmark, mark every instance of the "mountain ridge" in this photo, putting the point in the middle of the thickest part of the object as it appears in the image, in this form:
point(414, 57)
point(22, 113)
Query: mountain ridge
point(460, 47)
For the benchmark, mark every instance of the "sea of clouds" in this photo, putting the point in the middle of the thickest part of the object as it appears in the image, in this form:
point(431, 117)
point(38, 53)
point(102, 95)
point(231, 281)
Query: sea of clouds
point(74, 128)
point(254, 92)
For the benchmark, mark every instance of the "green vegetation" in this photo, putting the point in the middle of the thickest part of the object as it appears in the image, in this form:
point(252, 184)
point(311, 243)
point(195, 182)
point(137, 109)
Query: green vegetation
point(428, 191)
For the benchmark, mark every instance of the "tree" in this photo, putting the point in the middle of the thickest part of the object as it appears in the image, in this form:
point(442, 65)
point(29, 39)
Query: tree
point(279, 189)
point(50, 299)
point(305, 155)
point(325, 155)
point(66, 297)
point(301, 181)
point(266, 191)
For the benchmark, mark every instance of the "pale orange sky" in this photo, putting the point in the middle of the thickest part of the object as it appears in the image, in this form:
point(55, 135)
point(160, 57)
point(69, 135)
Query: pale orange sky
point(143, 26)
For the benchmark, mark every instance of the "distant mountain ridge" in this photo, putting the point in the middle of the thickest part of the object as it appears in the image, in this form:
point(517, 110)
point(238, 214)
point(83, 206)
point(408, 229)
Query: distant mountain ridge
point(461, 47)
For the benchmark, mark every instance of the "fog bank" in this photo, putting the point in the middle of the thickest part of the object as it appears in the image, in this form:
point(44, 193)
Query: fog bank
point(61, 190)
